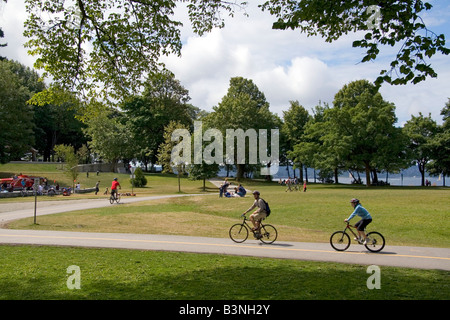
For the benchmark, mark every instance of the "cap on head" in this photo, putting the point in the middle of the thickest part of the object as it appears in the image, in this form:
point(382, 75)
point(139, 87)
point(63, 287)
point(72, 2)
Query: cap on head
point(256, 192)
point(354, 200)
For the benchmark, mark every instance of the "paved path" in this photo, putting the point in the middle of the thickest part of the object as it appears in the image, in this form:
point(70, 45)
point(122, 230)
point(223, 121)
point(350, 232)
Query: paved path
point(414, 257)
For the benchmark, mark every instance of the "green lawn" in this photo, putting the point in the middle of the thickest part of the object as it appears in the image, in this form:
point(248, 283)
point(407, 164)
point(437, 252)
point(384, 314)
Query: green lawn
point(29, 272)
point(405, 215)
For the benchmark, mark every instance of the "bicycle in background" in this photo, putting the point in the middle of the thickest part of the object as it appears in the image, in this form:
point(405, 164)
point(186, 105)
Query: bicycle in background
point(114, 197)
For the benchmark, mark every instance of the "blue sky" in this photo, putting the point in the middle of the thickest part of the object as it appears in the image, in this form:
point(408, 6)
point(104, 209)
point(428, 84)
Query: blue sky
point(285, 65)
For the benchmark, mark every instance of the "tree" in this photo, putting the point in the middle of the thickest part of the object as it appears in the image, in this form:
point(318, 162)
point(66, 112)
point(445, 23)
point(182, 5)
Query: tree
point(244, 107)
point(421, 131)
point(358, 127)
point(110, 137)
point(294, 122)
point(57, 124)
point(67, 154)
point(202, 171)
point(109, 45)
point(318, 149)
point(383, 23)
point(394, 155)
point(139, 179)
point(16, 116)
point(312, 149)
point(107, 48)
point(163, 100)
point(440, 147)
point(166, 150)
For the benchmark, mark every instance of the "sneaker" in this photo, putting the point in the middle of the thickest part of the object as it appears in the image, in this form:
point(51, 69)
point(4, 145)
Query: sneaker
point(366, 241)
point(359, 240)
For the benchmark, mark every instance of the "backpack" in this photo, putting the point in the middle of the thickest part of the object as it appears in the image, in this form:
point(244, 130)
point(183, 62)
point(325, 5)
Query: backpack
point(267, 207)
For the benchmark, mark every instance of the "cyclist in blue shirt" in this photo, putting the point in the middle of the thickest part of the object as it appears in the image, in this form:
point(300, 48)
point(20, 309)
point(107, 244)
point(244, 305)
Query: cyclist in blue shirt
point(366, 218)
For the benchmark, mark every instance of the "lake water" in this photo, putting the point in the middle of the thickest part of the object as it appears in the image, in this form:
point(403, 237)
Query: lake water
point(393, 179)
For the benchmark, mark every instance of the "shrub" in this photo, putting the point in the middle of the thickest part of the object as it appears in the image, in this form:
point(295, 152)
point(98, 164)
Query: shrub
point(139, 179)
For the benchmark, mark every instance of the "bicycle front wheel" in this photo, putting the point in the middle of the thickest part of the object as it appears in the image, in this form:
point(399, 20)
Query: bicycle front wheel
point(340, 241)
point(268, 234)
point(375, 241)
point(118, 197)
point(238, 232)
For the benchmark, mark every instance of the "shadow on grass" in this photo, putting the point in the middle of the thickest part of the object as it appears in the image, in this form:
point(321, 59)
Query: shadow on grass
point(172, 276)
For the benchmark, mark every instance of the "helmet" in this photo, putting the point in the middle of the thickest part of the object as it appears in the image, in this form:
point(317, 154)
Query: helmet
point(354, 200)
point(115, 179)
point(256, 192)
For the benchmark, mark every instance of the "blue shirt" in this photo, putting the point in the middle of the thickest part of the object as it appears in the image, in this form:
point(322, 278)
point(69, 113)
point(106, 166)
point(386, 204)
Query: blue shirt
point(361, 212)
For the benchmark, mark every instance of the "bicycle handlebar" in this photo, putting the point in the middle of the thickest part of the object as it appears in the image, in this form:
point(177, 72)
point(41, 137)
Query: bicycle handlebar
point(348, 224)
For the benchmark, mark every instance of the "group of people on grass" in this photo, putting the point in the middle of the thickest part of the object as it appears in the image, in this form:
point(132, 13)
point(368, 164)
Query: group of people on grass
point(239, 191)
point(292, 184)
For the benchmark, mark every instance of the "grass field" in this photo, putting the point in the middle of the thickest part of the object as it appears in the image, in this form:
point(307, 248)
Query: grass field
point(405, 215)
point(28, 272)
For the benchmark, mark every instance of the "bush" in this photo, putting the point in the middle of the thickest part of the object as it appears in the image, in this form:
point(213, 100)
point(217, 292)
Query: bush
point(139, 179)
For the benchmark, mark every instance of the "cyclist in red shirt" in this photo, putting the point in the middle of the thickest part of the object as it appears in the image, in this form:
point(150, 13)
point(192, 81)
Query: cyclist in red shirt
point(114, 186)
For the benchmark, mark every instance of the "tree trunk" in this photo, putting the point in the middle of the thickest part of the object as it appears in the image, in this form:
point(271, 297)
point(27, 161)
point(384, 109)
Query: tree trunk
point(422, 172)
point(367, 174)
point(240, 171)
point(336, 175)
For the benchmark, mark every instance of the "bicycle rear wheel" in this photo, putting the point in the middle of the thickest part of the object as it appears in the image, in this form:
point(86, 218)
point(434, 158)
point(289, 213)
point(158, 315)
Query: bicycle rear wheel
point(268, 233)
point(238, 232)
point(375, 241)
point(111, 199)
point(340, 241)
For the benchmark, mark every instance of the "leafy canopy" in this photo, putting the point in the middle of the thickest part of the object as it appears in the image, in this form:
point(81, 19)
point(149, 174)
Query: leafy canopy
point(383, 23)
point(107, 48)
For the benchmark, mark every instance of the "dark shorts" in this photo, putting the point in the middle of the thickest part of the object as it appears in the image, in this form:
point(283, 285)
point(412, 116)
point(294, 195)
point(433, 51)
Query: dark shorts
point(362, 224)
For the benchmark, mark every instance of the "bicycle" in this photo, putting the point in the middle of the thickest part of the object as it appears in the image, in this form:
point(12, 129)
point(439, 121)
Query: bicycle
point(340, 240)
point(114, 197)
point(239, 232)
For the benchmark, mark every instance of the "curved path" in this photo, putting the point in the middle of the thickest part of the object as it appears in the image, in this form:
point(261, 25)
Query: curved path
point(413, 257)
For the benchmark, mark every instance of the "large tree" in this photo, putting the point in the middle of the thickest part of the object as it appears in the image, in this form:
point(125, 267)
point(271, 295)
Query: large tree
point(108, 47)
point(110, 137)
point(57, 125)
point(16, 116)
point(421, 132)
point(164, 100)
point(359, 126)
point(440, 147)
point(244, 107)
